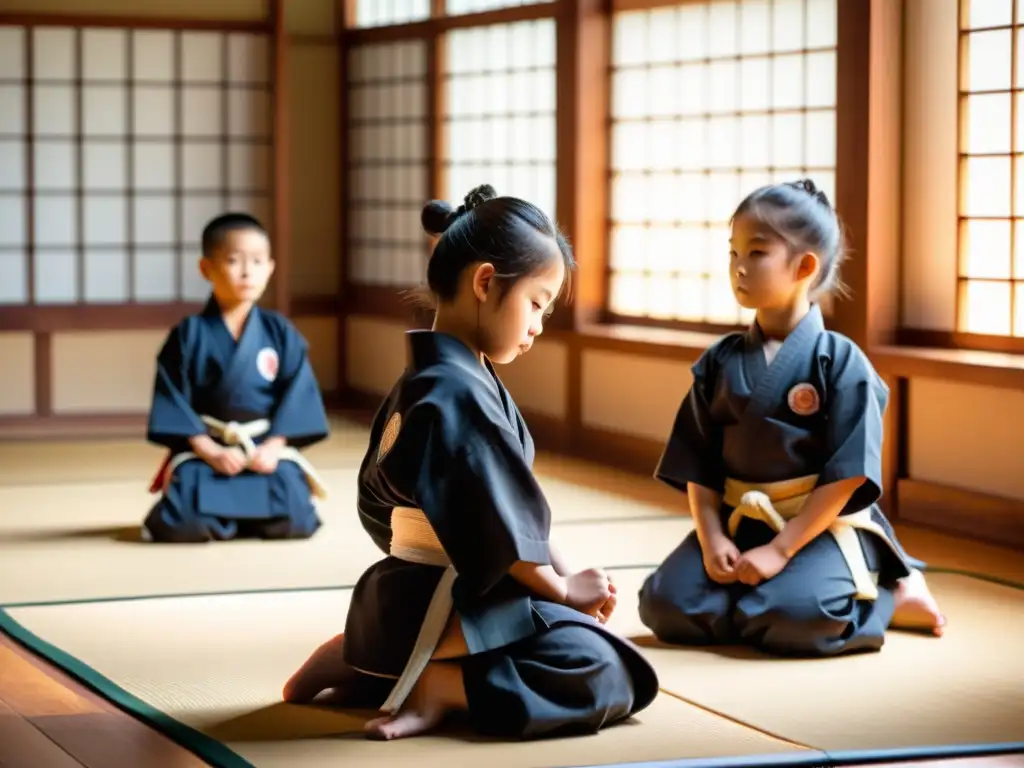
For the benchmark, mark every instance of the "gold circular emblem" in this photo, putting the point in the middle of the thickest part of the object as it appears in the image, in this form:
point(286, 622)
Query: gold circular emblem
point(389, 435)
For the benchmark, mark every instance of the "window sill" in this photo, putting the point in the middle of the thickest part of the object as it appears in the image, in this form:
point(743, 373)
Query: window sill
point(642, 340)
point(994, 369)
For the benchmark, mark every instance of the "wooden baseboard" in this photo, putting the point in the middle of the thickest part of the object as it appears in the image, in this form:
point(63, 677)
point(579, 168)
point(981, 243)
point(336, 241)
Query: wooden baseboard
point(71, 427)
point(971, 514)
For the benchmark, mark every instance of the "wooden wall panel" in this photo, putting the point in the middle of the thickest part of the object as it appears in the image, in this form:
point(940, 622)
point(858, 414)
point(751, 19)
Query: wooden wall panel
point(322, 335)
point(17, 374)
point(930, 165)
point(315, 192)
point(103, 371)
point(538, 381)
point(967, 436)
point(632, 394)
point(374, 354)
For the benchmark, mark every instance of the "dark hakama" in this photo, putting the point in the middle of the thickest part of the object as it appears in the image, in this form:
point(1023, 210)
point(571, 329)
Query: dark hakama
point(450, 442)
point(756, 422)
point(266, 374)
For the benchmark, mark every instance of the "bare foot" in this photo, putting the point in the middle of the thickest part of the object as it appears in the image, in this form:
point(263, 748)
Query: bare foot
point(916, 607)
point(325, 668)
point(438, 691)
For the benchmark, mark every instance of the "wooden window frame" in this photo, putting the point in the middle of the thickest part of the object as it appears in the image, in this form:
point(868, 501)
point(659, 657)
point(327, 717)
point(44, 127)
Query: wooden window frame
point(388, 300)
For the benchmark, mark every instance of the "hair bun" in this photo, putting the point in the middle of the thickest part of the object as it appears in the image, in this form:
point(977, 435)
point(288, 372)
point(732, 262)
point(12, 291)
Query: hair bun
point(808, 186)
point(479, 196)
point(437, 216)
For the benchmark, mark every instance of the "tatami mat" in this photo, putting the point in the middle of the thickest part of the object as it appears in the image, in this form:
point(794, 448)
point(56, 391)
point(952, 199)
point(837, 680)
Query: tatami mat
point(217, 664)
point(967, 687)
point(80, 541)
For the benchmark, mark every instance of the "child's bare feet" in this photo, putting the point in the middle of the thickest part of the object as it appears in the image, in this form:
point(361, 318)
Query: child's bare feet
point(438, 691)
point(325, 668)
point(916, 607)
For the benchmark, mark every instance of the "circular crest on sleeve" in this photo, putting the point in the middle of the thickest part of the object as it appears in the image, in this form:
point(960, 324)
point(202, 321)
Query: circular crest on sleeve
point(267, 363)
point(389, 435)
point(803, 399)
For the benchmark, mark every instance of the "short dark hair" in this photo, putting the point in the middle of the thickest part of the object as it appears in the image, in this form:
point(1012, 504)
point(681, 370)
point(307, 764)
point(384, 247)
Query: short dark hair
point(801, 214)
point(512, 234)
point(221, 226)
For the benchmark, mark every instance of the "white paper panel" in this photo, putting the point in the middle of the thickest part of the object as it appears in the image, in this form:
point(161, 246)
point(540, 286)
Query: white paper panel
point(55, 279)
point(248, 58)
point(13, 276)
point(513, 148)
point(12, 52)
point(55, 220)
point(153, 166)
point(202, 57)
point(248, 113)
point(12, 165)
point(201, 166)
point(53, 110)
point(104, 110)
point(155, 272)
point(12, 220)
point(193, 286)
point(153, 55)
point(104, 54)
point(105, 220)
point(104, 166)
point(55, 165)
point(477, 6)
point(53, 53)
point(202, 107)
point(374, 13)
point(106, 275)
point(248, 167)
point(154, 220)
point(196, 212)
point(154, 111)
point(12, 109)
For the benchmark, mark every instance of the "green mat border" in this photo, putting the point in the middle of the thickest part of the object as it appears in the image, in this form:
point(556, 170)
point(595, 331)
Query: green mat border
point(220, 755)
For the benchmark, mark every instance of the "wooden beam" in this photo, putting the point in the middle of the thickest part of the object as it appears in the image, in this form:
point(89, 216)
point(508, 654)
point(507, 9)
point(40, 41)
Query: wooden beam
point(282, 160)
point(868, 166)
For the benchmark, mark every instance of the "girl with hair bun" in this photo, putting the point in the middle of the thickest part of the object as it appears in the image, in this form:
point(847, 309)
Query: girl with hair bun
point(778, 446)
point(473, 609)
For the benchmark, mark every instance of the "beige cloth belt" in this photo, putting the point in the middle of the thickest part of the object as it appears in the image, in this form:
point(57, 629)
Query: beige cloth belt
point(413, 540)
point(233, 433)
point(775, 503)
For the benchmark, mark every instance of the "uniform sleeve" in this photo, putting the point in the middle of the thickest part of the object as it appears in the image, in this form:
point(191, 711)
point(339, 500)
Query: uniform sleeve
point(473, 484)
point(854, 429)
point(299, 415)
point(693, 453)
point(172, 420)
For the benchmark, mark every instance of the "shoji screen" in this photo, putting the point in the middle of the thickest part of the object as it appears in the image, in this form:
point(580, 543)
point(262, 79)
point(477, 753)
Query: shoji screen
point(387, 163)
point(116, 146)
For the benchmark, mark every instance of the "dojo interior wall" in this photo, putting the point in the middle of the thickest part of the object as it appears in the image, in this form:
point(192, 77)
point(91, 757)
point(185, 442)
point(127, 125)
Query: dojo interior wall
point(957, 416)
point(959, 419)
point(101, 373)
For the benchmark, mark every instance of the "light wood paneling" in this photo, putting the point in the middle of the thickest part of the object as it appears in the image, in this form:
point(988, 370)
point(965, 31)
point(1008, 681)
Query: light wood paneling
point(17, 378)
point(104, 371)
